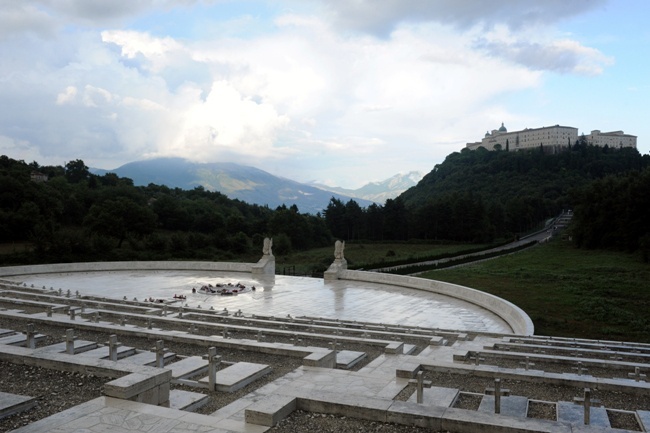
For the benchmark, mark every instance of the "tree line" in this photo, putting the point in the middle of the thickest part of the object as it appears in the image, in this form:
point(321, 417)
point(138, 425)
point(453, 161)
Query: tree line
point(76, 214)
point(479, 196)
point(475, 196)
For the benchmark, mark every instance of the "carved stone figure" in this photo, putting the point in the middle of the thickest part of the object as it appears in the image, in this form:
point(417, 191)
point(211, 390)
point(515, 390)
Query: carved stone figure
point(268, 245)
point(339, 246)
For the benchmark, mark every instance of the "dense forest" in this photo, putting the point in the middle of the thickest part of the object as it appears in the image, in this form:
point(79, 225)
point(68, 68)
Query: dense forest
point(75, 214)
point(472, 197)
point(482, 196)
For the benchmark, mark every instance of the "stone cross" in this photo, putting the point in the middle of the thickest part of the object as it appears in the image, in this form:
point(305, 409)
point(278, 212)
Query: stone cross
point(239, 314)
point(527, 364)
point(587, 402)
point(637, 375)
point(192, 328)
point(96, 316)
point(477, 358)
point(68, 293)
point(30, 333)
point(421, 384)
point(72, 312)
point(149, 325)
point(259, 335)
point(112, 347)
point(498, 393)
point(78, 294)
point(160, 354)
point(213, 364)
point(180, 312)
point(334, 344)
point(49, 311)
point(225, 333)
point(69, 341)
point(580, 368)
point(164, 312)
point(122, 320)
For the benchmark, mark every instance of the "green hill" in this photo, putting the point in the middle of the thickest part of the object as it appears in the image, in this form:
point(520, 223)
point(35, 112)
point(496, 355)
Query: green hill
point(481, 195)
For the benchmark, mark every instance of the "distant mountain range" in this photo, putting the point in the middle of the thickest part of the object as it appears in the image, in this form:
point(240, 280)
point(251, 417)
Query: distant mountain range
point(378, 192)
point(253, 185)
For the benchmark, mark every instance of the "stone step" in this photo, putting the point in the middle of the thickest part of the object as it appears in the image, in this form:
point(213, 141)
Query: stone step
point(573, 414)
point(347, 359)
point(436, 396)
point(409, 348)
point(11, 404)
point(103, 352)
point(188, 367)
point(511, 405)
point(148, 358)
point(187, 400)
point(238, 375)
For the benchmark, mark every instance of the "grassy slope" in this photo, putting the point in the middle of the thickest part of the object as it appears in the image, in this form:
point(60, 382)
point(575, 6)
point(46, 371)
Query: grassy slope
point(568, 292)
point(358, 254)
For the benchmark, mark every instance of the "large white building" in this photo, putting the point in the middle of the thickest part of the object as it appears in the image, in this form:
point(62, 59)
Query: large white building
point(550, 138)
point(612, 139)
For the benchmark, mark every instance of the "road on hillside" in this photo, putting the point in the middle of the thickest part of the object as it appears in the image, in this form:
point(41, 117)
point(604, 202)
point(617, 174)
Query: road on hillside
point(552, 229)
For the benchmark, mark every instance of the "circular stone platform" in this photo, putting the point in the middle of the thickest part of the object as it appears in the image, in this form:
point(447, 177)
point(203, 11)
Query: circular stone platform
point(280, 296)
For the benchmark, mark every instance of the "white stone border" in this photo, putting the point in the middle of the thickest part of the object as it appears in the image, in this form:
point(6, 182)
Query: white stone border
point(514, 316)
point(126, 266)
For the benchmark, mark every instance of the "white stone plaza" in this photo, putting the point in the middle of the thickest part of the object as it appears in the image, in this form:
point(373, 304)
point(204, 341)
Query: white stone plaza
point(281, 296)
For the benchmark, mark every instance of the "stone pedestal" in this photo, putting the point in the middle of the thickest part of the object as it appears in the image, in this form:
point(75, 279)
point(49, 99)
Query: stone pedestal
point(335, 269)
point(265, 266)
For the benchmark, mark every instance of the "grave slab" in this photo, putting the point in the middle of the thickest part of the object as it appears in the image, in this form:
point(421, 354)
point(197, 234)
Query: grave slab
point(147, 358)
point(103, 352)
point(347, 359)
point(644, 417)
point(187, 400)
point(11, 404)
point(436, 396)
point(80, 346)
point(238, 375)
point(20, 339)
point(188, 367)
point(409, 348)
point(512, 405)
point(5, 332)
point(573, 414)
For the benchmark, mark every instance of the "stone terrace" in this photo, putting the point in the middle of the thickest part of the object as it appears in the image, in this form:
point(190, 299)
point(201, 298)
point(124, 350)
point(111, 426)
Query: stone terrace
point(170, 368)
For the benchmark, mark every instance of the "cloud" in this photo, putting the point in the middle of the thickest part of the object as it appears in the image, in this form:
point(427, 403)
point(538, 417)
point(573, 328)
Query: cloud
point(562, 55)
point(381, 20)
point(299, 98)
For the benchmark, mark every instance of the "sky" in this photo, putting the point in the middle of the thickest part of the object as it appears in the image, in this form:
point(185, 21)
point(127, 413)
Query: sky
point(341, 92)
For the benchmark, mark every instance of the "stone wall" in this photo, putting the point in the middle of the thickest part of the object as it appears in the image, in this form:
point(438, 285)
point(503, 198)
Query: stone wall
point(514, 316)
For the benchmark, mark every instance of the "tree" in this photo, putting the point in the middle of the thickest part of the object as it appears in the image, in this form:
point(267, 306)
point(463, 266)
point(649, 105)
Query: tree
point(76, 171)
point(119, 218)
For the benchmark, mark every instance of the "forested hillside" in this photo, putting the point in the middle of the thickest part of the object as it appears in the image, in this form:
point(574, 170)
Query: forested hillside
point(477, 193)
point(472, 197)
point(76, 215)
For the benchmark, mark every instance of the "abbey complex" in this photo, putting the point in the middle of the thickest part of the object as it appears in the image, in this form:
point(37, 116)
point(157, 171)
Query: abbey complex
point(549, 138)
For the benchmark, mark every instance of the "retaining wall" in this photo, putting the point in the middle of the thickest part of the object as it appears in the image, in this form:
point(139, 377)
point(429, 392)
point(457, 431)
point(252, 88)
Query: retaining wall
point(514, 316)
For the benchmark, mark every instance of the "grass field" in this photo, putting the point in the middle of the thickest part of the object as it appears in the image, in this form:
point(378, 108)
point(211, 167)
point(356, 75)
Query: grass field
point(361, 254)
point(566, 291)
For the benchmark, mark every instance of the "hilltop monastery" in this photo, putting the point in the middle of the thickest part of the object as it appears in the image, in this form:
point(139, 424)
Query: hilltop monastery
point(549, 137)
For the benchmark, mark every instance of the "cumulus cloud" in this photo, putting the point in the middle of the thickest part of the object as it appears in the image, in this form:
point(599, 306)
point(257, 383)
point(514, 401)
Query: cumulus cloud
point(299, 97)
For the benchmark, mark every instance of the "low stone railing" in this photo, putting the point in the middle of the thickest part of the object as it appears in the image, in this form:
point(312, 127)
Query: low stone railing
point(514, 316)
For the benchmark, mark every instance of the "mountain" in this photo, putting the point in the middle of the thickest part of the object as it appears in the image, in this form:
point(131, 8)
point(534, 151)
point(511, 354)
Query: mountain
point(378, 191)
point(241, 182)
